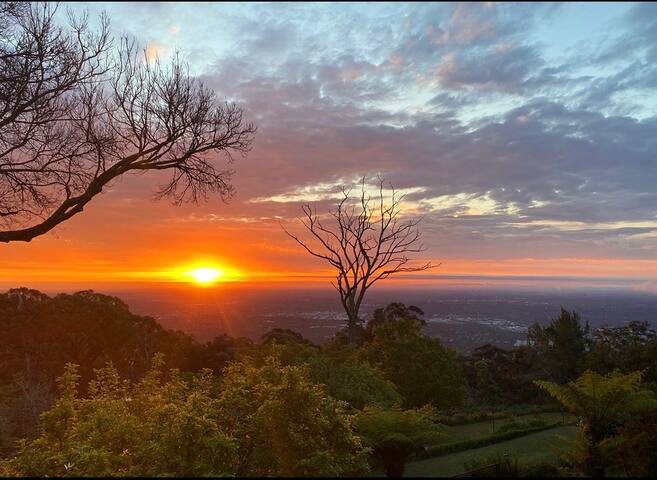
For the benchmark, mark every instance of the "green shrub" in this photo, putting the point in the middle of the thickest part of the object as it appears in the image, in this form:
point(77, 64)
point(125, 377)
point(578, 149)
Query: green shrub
point(536, 423)
point(511, 425)
point(475, 415)
point(462, 418)
point(395, 434)
point(514, 424)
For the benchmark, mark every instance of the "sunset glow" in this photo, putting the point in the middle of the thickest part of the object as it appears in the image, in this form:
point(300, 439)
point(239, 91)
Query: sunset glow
point(295, 231)
point(441, 109)
point(206, 275)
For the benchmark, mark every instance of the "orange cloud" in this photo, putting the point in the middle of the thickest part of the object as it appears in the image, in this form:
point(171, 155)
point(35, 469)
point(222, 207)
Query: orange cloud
point(155, 51)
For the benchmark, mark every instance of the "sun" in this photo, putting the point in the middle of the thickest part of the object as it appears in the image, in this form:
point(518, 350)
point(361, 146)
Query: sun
point(202, 273)
point(206, 275)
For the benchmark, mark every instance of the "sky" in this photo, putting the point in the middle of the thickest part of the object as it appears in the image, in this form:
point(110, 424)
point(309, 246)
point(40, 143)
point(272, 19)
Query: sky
point(525, 135)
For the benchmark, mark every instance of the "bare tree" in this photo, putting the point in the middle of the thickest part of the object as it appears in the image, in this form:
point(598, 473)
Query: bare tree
point(76, 113)
point(364, 242)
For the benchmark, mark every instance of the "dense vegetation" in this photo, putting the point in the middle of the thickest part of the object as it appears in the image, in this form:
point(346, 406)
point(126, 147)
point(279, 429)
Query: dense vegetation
point(89, 388)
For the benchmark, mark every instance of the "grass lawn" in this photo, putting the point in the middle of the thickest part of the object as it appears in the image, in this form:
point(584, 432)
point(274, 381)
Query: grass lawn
point(532, 448)
point(481, 429)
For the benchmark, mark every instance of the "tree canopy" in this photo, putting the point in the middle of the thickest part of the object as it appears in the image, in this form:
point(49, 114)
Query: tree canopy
point(396, 434)
point(603, 403)
point(258, 421)
point(422, 369)
point(561, 346)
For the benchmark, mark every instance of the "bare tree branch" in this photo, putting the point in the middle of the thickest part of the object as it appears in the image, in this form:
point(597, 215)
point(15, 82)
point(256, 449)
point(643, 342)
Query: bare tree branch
point(367, 241)
point(76, 113)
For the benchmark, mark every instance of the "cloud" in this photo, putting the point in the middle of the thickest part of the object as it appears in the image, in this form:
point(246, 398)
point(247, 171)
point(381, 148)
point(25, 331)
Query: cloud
point(155, 51)
point(507, 150)
point(501, 67)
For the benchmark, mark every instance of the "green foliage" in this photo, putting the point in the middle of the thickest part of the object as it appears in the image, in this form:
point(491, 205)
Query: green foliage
point(497, 437)
point(283, 335)
point(422, 369)
point(544, 445)
point(357, 384)
point(285, 424)
point(268, 420)
point(395, 434)
point(603, 404)
point(509, 425)
point(218, 353)
point(462, 418)
point(512, 424)
point(498, 376)
point(41, 334)
point(344, 376)
point(481, 414)
point(561, 346)
point(285, 407)
point(627, 348)
point(633, 448)
point(160, 426)
point(393, 312)
point(21, 402)
point(599, 399)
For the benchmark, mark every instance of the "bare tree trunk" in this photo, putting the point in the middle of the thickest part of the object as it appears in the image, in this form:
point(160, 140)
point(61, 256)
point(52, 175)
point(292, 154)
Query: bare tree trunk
point(368, 241)
point(352, 326)
point(593, 464)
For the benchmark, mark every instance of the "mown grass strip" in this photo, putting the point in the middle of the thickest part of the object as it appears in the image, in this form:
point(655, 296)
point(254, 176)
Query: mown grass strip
point(439, 450)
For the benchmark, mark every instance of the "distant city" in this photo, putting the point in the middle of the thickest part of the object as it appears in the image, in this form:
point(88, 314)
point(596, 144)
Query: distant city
point(462, 318)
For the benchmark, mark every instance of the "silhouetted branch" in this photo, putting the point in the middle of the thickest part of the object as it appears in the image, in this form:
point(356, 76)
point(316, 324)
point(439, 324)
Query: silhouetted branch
point(365, 243)
point(75, 115)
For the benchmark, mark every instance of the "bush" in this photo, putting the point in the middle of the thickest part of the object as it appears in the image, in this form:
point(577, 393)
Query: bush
point(462, 418)
point(422, 368)
point(536, 423)
point(394, 434)
point(513, 425)
point(465, 416)
point(269, 420)
point(345, 378)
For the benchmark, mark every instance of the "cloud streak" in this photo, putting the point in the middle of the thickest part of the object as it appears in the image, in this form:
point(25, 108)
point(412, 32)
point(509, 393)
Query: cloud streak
point(510, 145)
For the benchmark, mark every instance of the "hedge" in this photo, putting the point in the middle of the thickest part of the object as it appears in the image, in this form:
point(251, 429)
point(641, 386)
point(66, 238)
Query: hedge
point(439, 450)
